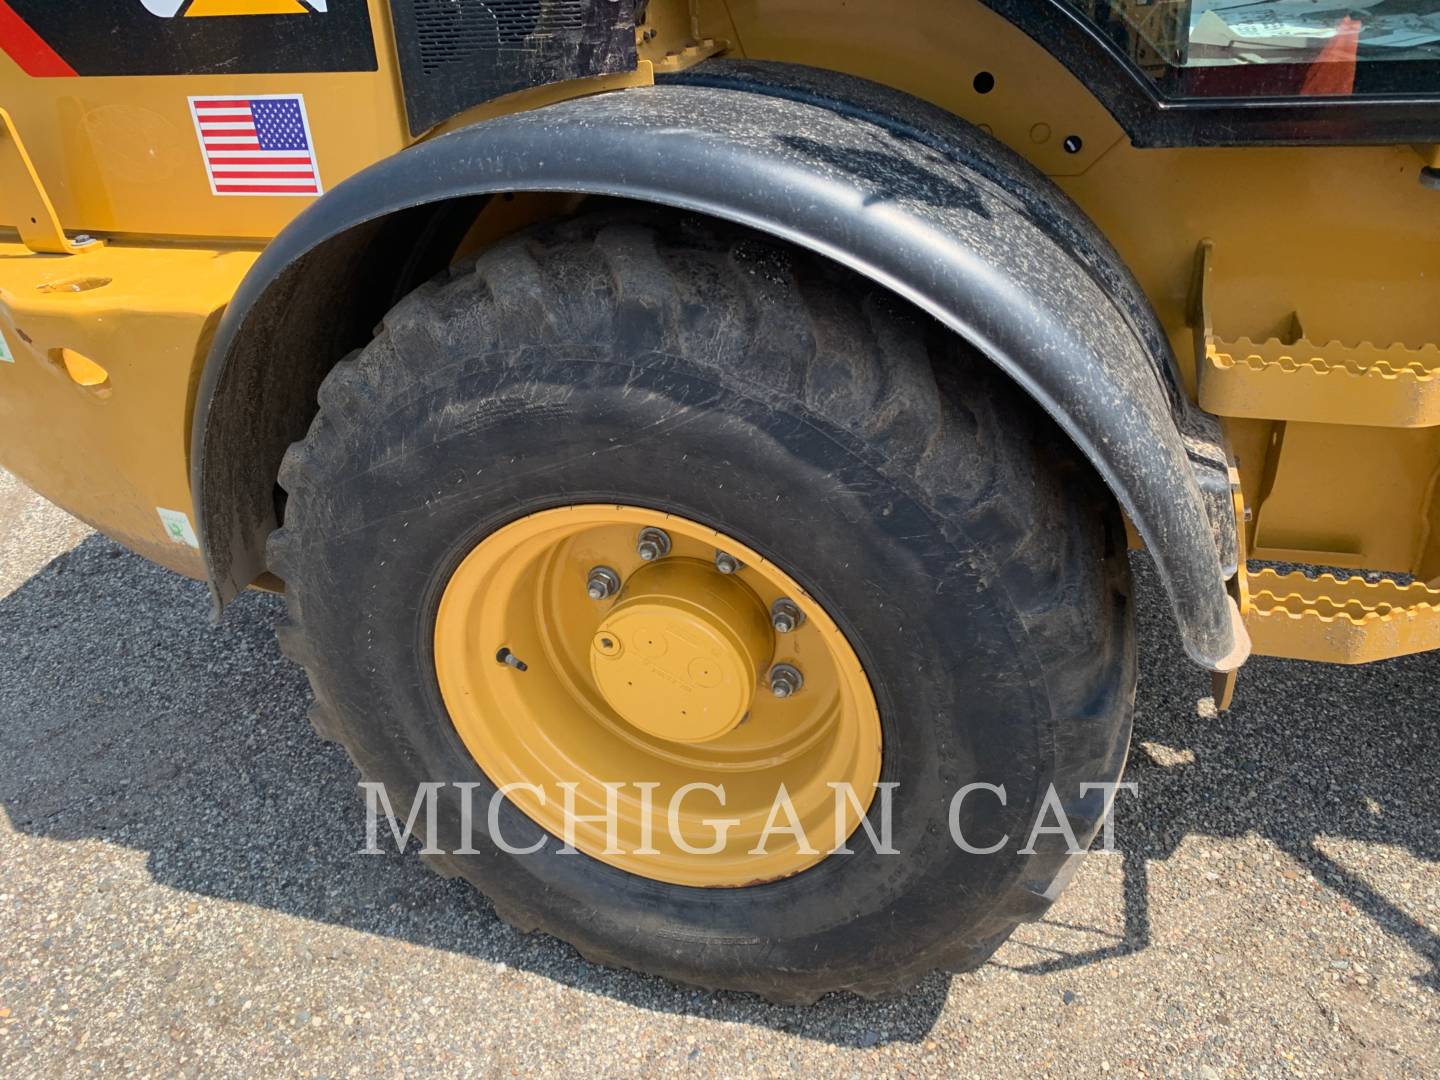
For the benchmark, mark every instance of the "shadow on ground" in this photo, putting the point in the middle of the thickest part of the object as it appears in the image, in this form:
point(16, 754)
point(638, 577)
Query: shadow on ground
point(126, 717)
point(1308, 751)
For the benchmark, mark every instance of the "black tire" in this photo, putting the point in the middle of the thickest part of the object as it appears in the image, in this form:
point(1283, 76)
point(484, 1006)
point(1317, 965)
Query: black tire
point(658, 359)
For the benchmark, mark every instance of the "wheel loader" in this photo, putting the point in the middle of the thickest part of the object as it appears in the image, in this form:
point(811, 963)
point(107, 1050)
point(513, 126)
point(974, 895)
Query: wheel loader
point(699, 442)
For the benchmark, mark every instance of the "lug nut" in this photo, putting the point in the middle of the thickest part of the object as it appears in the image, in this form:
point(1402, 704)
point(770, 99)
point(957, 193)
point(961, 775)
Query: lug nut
point(602, 583)
point(785, 680)
point(652, 544)
point(785, 616)
point(727, 563)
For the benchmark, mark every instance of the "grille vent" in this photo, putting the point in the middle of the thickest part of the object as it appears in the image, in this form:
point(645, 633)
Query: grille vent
point(457, 53)
point(449, 31)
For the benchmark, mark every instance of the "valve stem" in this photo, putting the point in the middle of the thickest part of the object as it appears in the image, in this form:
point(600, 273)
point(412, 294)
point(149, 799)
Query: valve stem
point(509, 659)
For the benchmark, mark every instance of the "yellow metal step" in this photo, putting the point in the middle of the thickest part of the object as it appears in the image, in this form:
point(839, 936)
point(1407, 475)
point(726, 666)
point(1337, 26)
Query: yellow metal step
point(1334, 383)
point(1339, 620)
point(1297, 379)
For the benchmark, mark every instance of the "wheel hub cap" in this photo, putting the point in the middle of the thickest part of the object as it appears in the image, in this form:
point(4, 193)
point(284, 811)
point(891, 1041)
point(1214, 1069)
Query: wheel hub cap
point(680, 655)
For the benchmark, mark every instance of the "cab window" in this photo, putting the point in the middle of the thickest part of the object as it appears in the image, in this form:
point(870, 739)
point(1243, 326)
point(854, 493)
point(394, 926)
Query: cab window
point(1277, 48)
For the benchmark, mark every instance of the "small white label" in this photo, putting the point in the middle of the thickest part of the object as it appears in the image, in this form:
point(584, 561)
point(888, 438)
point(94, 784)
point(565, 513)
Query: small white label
point(5, 353)
point(177, 526)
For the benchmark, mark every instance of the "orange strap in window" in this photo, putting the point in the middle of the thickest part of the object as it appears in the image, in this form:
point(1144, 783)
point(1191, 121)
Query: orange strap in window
point(1333, 72)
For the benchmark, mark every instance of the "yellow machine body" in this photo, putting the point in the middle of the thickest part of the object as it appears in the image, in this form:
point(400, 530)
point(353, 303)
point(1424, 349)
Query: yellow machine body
point(1297, 284)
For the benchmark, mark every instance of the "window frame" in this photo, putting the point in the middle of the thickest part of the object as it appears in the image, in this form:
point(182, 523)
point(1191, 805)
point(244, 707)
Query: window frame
point(1152, 119)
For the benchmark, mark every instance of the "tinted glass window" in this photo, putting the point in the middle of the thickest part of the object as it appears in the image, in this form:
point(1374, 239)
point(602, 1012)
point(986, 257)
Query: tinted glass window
point(1277, 48)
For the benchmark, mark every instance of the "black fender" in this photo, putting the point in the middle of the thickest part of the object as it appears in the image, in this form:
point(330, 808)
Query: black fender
point(898, 190)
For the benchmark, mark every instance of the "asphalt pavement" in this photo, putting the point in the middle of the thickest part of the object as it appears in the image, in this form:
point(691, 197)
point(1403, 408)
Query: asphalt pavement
point(181, 891)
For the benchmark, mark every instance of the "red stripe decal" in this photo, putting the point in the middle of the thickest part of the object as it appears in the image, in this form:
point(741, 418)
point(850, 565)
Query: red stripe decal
point(266, 159)
point(28, 49)
point(272, 174)
point(262, 189)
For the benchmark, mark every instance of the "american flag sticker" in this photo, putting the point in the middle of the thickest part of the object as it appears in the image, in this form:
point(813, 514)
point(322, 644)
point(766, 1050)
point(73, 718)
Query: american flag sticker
point(257, 145)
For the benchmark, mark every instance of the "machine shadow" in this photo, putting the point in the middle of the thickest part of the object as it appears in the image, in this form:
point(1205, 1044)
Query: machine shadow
point(1282, 763)
point(131, 720)
point(128, 718)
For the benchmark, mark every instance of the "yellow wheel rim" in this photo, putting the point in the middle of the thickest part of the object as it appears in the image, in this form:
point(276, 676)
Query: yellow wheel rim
point(564, 692)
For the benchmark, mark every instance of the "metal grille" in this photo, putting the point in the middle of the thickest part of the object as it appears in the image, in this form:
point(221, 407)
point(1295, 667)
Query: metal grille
point(458, 53)
point(453, 30)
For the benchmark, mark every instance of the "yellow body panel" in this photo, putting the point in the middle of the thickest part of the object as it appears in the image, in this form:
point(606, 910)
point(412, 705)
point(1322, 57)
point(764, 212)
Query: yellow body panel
point(1340, 241)
point(118, 154)
point(1317, 346)
point(111, 445)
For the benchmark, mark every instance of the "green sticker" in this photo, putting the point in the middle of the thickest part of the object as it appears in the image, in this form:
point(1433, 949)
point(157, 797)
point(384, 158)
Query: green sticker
point(5, 353)
point(177, 526)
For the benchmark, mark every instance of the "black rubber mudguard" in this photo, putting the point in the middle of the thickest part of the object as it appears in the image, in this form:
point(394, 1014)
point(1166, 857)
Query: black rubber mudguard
point(899, 191)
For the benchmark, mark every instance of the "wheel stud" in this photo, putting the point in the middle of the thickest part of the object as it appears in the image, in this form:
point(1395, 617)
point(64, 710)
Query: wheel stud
point(652, 544)
point(727, 563)
point(785, 680)
point(785, 617)
point(602, 583)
